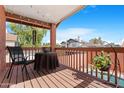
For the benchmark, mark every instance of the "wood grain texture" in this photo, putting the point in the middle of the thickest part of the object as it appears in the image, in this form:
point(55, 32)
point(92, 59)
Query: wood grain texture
point(62, 77)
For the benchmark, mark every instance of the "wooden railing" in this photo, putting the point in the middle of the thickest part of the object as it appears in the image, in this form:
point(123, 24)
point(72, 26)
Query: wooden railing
point(81, 59)
point(28, 52)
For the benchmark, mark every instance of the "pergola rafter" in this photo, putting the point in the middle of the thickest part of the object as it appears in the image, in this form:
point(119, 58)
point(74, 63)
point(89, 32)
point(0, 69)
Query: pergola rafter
point(26, 21)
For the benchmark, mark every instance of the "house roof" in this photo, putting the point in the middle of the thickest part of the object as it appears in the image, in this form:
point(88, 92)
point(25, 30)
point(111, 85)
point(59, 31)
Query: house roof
point(71, 40)
point(11, 37)
point(63, 42)
point(46, 13)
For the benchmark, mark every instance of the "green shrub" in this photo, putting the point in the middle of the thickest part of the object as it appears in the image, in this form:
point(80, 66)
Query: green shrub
point(102, 61)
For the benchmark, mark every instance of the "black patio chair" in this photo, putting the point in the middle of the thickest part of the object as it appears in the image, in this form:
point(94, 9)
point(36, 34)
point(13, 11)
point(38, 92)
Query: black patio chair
point(18, 58)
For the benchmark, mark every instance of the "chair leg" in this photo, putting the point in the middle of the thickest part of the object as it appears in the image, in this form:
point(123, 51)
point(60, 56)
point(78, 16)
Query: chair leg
point(9, 71)
point(23, 67)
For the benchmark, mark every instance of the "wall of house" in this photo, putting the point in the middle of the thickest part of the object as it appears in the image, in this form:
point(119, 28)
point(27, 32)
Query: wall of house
point(75, 44)
point(10, 43)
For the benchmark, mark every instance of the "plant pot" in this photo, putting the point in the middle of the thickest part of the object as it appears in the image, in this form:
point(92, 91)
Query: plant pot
point(105, 68)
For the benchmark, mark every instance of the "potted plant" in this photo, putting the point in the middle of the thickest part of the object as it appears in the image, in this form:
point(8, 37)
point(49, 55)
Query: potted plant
point(102, 61)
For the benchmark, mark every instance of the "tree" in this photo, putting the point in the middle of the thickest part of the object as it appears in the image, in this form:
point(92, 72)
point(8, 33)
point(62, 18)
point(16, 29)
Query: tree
point(97, 41)
point(25, 35)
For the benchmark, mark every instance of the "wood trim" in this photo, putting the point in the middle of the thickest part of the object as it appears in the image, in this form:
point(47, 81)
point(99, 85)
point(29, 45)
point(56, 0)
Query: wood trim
point(70, 14)
point(106, 49)
point(27, 21)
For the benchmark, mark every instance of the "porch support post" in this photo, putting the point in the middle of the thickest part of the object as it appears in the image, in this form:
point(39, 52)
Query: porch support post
point(53, 37)
point(2, 37)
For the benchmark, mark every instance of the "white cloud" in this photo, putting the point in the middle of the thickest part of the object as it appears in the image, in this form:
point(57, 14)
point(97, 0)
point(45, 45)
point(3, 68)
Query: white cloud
point(65, 34)
point(120, 42)
point(93, 6)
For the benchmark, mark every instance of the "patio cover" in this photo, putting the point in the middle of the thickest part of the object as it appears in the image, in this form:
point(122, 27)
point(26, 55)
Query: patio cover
point(45, 16)
point(45, 13)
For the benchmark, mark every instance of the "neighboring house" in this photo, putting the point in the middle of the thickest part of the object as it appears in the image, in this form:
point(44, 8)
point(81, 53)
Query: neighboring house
point(73, 43)
point(113, 45)
point(63, 44)
point(81, 43)
point(11, 39)
point(122, 44)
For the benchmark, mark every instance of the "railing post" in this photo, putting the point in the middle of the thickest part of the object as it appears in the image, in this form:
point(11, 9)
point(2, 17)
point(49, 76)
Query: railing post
point(2, 37)
point(53, 37)
point(116, 74)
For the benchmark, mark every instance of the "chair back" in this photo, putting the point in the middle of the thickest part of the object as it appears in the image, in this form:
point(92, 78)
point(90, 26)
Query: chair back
point(16, 54)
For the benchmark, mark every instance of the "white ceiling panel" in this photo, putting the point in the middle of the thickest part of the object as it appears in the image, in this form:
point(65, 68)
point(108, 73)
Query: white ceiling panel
point(46, 13)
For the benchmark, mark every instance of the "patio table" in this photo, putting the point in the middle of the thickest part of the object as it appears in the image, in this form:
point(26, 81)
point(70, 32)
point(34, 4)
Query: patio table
point(47, 61)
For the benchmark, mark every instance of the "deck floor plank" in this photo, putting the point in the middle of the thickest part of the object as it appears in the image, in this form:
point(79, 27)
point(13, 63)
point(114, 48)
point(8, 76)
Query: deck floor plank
point(6, 81)
point(3, 75)
point(53, 79)
point(62, 77)
point(40, 79)
point(34, 81)
point(73, 84)
point(87, 80)
point(27, 81)
point(84, 82)
point(62, 80)
point(94, 82)
point(59, 80)
point(71, 77)
point(20, 80)
point(47, 80)
point(13, 79)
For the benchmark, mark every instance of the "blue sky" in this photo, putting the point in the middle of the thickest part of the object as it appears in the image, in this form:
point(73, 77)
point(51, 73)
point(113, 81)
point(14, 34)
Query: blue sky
point(93, 21)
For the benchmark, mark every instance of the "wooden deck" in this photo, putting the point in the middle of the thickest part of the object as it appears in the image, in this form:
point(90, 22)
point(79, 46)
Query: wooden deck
point(62, 77)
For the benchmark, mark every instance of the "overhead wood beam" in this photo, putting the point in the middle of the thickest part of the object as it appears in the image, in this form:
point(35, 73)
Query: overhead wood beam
point(53, 37)
point(26, 21)
point(2, 37)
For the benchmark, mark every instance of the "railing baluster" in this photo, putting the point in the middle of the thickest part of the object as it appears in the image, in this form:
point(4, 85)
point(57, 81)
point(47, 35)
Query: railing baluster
point(116, 72)
point(79, 60)
point(108, 75)
point(96, 68)
point(87, 61)
point(71, 60)
point(63, 57)
point(123, 66)
point(101, 74)
point(91, 63)
point(32, 53)
point(29, 54)
point(83, 60)
point(76, 61)
point(68, 57)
